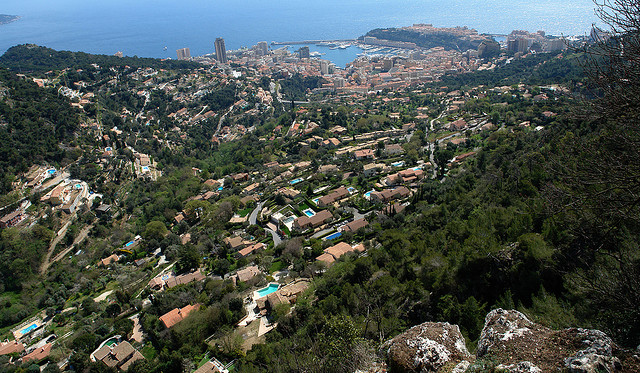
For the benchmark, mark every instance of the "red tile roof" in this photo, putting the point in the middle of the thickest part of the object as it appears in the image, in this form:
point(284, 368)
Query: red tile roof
point(176, 315)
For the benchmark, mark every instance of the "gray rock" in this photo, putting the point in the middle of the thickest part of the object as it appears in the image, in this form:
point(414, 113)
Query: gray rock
point(427, 348)
point(461, 367)
point(596, 357)
point(521, 367)
point(502, 325)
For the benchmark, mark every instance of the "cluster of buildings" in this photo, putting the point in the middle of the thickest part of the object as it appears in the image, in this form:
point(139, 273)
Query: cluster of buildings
point(520, 41)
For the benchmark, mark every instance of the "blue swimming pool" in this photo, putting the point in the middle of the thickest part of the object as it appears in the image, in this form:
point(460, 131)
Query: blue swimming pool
point(296, 181)
point(51, 171)
point(368, 194)
point(220, 188)
point(397, 164)
point(309, 212)
point(268, 290)
point(351, 190)
point(316, 200)
point(129, 243)
point(333, 236)
point(28, 328)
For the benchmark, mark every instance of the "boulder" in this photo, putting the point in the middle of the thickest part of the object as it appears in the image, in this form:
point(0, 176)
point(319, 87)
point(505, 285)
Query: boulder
point(520, 345)
point(597, 354)
point(428, 347)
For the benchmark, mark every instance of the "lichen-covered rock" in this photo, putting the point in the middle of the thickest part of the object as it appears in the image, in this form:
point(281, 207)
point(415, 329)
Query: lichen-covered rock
point(501, 326)
point(429, 347)
point(461, 367)
point(521, 367)
point(597, 356)
point(510, 339)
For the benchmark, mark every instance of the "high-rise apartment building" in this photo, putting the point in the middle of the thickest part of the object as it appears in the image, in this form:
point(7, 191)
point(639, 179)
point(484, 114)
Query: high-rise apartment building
point(324, 67)
point(183, 54)
point(304, 52)
point(221, 51)
point(264, 47)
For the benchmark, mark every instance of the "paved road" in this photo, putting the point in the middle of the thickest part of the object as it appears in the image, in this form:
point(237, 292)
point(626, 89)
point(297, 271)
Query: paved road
point(276, 238)
point(356, 214)
point(253, 218)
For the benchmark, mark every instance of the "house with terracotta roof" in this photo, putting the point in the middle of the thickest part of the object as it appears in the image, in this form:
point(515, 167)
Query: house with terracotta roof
point(250, 250)
point(184, 279)
point(11, 219)
point(10, 347)
point(355, 225)
point(333, 197)
point(388, 195)
point(326, 258)
point(287, 294)
point(38, 353)
point(108, 260)
point(247, 274)
point(176, 315)
point(364, 154)
point(235, 243)
point(458, 125)
point(121, 356)
point(307, 222)
point(241, 177)
point(405, 177)
point(333, 253)
point(392, 149)
point(212, 184)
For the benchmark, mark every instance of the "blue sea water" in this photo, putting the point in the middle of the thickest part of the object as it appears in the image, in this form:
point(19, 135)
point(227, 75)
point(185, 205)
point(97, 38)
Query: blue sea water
point(145, 27)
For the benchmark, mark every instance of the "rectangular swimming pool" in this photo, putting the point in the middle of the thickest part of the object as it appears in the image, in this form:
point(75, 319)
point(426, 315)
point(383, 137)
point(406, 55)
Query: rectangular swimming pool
point(29, 328)
point(309, 212)
point(268, 290)
point(333, 236)
point(295, 181)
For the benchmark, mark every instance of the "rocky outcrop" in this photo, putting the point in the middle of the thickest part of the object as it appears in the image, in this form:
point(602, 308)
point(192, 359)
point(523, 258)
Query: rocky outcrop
point(509, 342)
point(520, 345)
point(429, 347)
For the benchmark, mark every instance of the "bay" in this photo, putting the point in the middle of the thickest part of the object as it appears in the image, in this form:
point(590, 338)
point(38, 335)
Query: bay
point(145, 27)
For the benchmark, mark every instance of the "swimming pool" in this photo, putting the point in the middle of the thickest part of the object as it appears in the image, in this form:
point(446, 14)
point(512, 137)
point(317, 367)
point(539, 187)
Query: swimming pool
point(145, 168)
point(333, 236)
point(220, 188)
point(309, 212)
point(28, 328)
point(367, 195)
point(296, 181)
point(351, 190)
point(129, 243)
point(397, 164)
point(268, 290)
point(51, 171)
point(316, 201)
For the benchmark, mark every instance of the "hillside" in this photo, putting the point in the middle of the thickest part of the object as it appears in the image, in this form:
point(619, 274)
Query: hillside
point(168, 217)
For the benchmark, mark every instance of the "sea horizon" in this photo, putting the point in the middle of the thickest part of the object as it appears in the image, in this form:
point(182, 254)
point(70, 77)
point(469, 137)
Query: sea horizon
point(144, 28)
